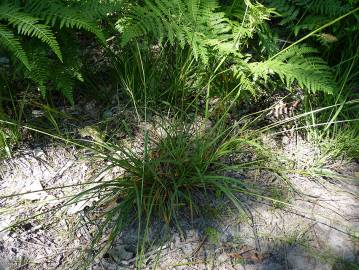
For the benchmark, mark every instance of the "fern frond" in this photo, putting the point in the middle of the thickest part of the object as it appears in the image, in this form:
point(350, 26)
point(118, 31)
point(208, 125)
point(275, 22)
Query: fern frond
point(301, 65)
point(55, 12)
point(11, 43)
point(37, 19)
point(330, 8)
point(191, 23)
point(73, 19)
point(198, 24)
point(244, 78)
point(65, 85)
point(43, 72)
point(40, 69)
point(291, 10)
point(286, 9)
point(30, 26)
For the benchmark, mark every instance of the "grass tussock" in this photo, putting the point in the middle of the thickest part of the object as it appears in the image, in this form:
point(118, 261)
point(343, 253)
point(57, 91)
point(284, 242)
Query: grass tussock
point(180, 166)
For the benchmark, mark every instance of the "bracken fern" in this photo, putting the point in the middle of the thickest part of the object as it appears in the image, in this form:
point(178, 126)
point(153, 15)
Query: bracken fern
point(308, 14)
point(44, 20)
point(195, 23)
point(212, 31)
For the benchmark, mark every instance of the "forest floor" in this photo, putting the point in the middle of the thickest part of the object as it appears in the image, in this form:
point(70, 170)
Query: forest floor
point(317, 227)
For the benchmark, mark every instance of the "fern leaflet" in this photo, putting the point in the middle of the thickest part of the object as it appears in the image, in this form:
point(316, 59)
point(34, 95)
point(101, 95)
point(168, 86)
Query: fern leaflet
point(10, 42)
point(27, 25)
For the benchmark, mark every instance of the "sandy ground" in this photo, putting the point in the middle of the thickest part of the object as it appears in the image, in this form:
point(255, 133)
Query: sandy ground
point(318, 228)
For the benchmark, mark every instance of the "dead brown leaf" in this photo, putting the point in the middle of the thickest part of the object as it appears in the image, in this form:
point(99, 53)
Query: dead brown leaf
point(249, 254)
